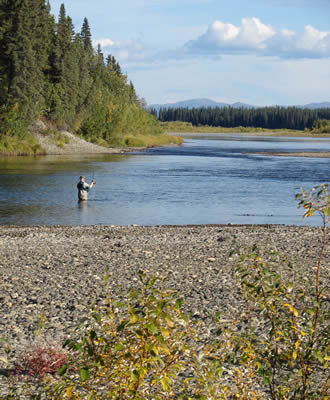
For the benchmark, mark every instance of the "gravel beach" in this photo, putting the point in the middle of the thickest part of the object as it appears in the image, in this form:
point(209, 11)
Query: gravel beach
point(57, 272)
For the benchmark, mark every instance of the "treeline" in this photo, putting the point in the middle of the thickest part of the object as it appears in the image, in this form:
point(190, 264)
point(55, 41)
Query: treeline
point(49, 71)
point(230, 117)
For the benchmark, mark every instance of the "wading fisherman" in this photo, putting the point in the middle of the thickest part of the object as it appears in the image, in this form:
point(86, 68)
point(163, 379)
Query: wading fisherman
point(84, 188)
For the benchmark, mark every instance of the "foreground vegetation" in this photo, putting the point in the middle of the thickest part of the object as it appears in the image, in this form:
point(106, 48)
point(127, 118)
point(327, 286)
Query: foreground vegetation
point(143, 346)
point(50, 72)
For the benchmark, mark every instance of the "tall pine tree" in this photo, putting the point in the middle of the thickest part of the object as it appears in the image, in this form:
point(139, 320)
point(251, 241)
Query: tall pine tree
point(86, 36)
point(24, 44)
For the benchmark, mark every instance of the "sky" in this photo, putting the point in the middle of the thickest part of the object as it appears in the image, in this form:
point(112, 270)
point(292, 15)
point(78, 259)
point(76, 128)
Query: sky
point(260, 52)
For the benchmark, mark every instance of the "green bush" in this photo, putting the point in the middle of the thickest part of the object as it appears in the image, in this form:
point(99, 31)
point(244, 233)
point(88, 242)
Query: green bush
point(132, 349)
point(12, 124)
point(321, 126)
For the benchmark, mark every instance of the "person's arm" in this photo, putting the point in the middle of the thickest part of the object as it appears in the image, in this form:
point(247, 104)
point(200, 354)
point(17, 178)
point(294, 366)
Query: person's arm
point(86, 187)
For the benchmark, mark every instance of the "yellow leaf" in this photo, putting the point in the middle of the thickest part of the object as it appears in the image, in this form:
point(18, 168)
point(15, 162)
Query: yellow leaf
point(165, 383)
point(143, 372)
point(303, 333)
point(165, 332)
point(297, 344)
point(294, 355)
point(69, 391)
point(292, 309)
point(169, 322)
point(134, 319)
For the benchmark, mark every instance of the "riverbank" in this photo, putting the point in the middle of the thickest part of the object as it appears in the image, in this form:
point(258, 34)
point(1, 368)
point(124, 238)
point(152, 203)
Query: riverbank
point(76, 145)
point(185, 128)
point(262, 133)
point(46, 140)
point(56, 273)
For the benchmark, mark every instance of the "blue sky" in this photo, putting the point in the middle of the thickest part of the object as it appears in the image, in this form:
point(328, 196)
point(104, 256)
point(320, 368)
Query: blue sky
point(261, 52)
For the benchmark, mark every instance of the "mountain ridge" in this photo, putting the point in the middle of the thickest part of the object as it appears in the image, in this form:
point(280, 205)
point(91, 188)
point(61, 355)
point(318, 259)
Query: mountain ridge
point(204, 102)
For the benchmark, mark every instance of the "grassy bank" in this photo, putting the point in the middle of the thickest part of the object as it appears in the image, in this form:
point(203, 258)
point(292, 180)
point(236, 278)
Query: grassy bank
point(144, 141)
point(45, 138)
point(187, 127)
point(16, 146)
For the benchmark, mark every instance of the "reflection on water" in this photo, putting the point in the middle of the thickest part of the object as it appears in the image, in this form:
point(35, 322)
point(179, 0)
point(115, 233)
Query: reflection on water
point(47, 165)
point(204, 181)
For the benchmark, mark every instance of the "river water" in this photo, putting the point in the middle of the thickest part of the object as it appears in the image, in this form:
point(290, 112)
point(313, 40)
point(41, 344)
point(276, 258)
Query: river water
point(211, 180)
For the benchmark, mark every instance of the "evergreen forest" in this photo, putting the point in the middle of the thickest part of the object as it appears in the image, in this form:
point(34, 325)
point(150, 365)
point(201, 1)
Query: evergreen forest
point(49, 71)
point(231, 117)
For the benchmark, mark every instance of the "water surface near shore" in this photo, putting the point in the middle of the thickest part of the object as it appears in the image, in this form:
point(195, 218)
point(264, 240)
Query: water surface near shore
point(215, 180)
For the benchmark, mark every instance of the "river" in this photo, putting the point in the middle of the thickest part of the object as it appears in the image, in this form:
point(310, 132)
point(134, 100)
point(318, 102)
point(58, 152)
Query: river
point(218, 179)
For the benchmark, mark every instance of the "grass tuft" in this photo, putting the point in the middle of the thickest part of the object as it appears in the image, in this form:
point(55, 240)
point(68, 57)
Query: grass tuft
point(26, 146)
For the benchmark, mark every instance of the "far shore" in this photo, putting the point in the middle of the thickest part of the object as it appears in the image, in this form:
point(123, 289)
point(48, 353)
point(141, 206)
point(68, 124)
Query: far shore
point(321, 154)
point(278, 133)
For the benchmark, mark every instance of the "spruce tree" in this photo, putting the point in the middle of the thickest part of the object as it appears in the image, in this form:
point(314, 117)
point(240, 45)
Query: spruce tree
point(86, 36)
point(64, 96)
point(24, 41)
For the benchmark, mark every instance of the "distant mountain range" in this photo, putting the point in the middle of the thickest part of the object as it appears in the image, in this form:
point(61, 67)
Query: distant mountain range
point(313, 106)
point(197, 103)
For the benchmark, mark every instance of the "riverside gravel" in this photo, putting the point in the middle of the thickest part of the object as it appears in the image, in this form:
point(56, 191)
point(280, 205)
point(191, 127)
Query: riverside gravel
point(56, 273)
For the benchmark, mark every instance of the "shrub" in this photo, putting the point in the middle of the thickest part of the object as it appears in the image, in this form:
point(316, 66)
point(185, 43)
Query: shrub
point(11, 122)
point(321, 126)
point(132, 349)
point(40, 358)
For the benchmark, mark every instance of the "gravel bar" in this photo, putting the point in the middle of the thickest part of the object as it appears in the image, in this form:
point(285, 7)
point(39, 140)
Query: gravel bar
point(58, 272)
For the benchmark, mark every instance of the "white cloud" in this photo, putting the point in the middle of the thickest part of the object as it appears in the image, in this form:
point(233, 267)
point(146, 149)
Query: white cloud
point(104, 43)
point(253, 36)
point(254, 33)
point(123, 50)
point(312, 39)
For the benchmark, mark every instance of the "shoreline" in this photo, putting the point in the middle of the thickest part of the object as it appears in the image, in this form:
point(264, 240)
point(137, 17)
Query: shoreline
point(75, 145)
point(232, 132)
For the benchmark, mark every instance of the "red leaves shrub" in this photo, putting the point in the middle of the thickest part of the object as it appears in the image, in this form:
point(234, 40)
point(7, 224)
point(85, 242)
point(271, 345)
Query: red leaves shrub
point(40, 359)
